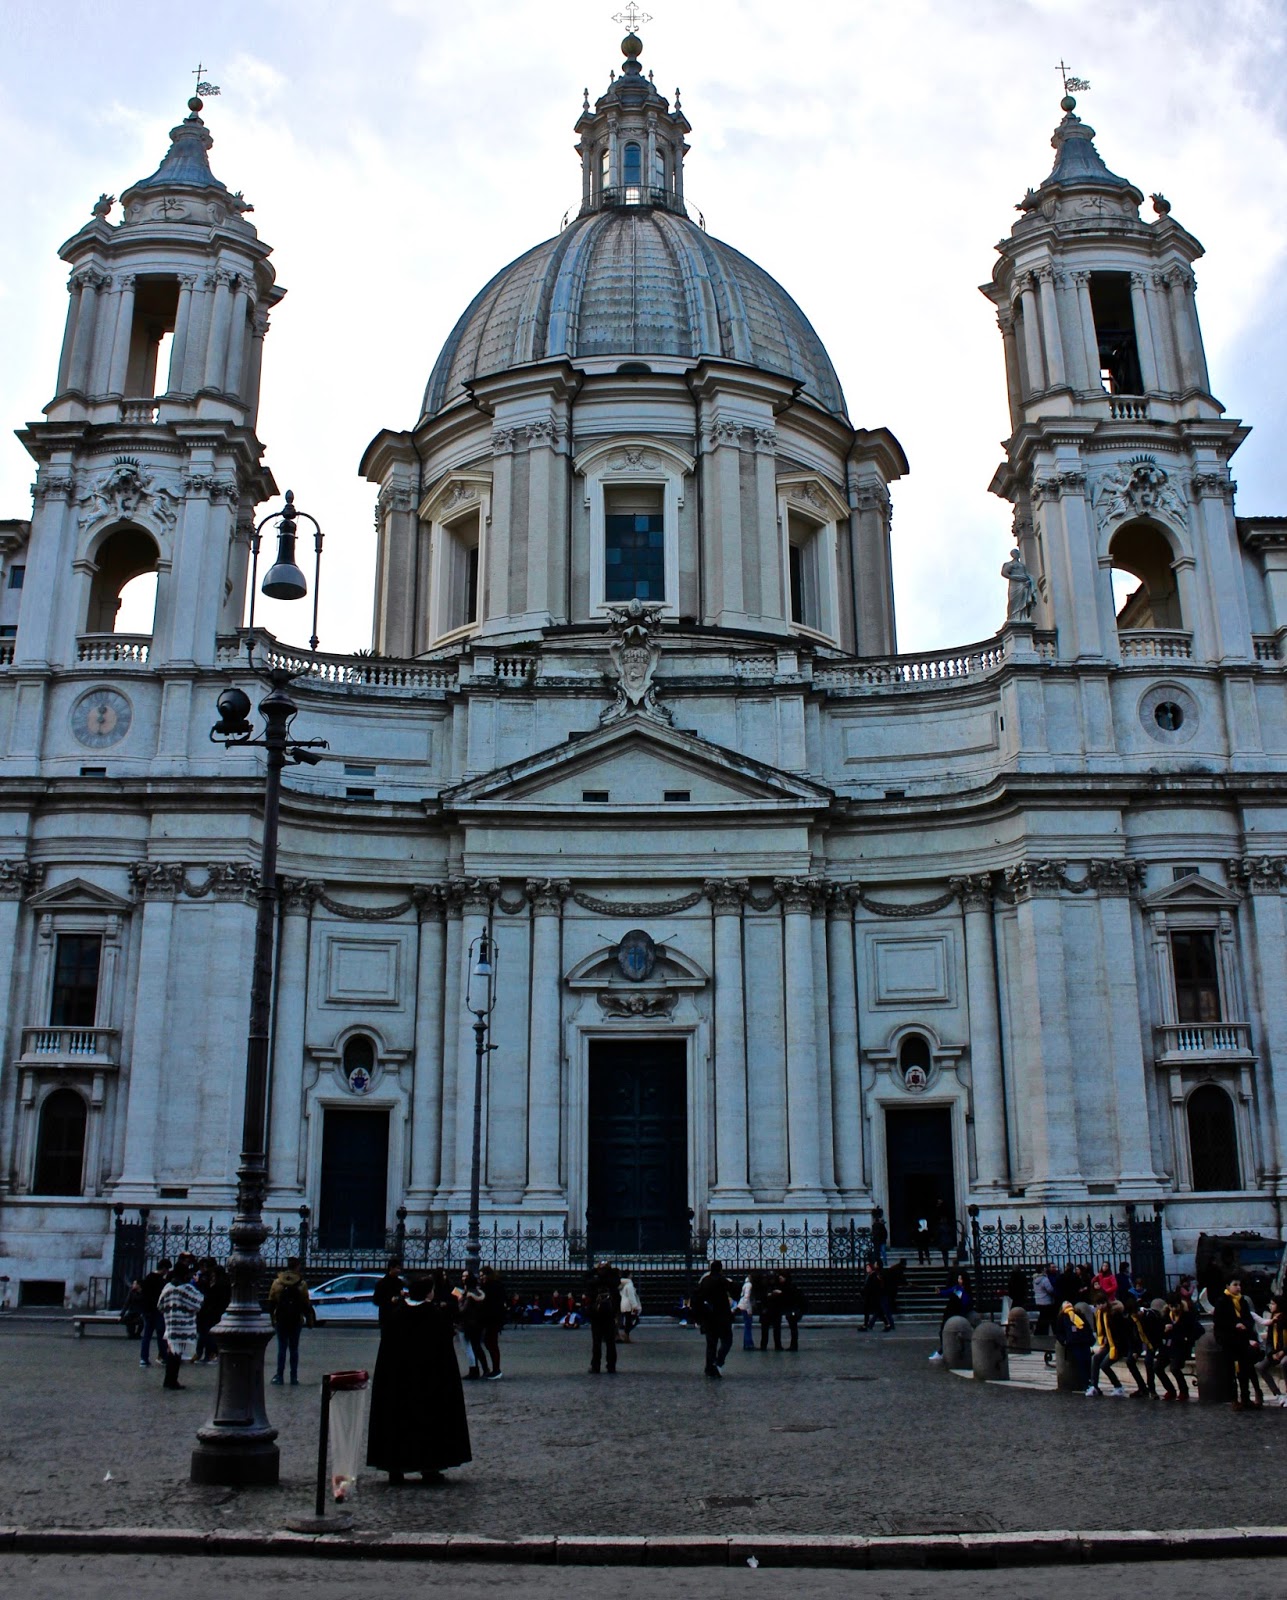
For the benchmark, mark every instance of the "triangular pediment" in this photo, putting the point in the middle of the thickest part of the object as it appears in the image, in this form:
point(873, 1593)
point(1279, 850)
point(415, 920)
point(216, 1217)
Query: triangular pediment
point(639, 764)
point(1190, 892)
point(77, 894)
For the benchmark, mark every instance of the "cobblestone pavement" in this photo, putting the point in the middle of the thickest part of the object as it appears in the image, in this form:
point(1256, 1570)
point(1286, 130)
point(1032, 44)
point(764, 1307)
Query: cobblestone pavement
point(160, 1577)
point(854, 1434)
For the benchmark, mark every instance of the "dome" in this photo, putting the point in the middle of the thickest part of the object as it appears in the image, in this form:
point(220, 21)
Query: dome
point(638, 281)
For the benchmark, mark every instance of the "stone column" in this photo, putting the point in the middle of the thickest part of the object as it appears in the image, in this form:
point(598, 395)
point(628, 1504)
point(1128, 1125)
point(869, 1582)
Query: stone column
point(1090, 339)
point(1032, 339)
point(803, 1135)
point(1144, 335)
point(86, 326)
point(258, 333)
point(1052, 338)
point(242, 306)
point(118, 369)
point(731, 1185)
point(1184, 323)
point(987, 1075)
point(17, 879)
point(217, 342)
point(822, 1037)
point(426, 1084)
point(545, 1047)
point(182, 323)
point(289, 1021)
point(452, 1003)
point(1013, 380)
point(476, 912)
point(846, 1080)
point(75, 284)
point(1163, 343)
point(1045, 1082)
point(157, 886)
point(1263, 880)
point(1114, 880)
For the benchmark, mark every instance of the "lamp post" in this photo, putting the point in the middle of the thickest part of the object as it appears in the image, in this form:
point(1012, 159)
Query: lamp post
point(237, 1446)
point(480, 998)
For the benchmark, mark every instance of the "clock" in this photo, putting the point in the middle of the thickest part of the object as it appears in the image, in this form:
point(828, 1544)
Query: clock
point(101, 718)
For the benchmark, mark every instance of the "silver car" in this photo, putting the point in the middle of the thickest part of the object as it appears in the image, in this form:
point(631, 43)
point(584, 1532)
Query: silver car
point(346, 1299)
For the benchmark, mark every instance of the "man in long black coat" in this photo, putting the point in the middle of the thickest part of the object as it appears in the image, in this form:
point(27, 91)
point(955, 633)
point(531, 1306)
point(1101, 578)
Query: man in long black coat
point(605, 1301)
point(713, 1308)
point(418, 1421)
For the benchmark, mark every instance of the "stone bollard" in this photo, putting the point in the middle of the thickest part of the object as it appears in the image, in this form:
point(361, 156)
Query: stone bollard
point(1018, 1331)
point(957, 1334)
point(988, 1352)
point(1067, 1373)
point(1211, 1371)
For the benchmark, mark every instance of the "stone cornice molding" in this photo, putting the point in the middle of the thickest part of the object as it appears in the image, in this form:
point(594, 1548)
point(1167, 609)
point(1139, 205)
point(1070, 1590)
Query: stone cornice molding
point(20, 878)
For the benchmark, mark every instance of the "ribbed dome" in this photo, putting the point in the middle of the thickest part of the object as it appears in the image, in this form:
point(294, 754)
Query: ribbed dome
point(633, 282)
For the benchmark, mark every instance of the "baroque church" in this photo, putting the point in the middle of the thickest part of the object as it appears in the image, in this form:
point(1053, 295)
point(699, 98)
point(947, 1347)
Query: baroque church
point(788, 926)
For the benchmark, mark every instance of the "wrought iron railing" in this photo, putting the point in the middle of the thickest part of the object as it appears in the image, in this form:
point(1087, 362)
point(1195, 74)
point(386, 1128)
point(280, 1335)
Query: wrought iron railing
point(1001, 1249)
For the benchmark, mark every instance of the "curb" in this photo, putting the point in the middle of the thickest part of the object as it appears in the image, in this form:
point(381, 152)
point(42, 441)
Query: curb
point(936, 1551)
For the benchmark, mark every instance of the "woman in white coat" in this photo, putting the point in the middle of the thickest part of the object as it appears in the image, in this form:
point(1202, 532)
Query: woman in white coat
point(631, 1307)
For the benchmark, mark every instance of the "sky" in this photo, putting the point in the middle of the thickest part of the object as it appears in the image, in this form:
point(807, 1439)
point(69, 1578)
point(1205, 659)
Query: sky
point(868, 155)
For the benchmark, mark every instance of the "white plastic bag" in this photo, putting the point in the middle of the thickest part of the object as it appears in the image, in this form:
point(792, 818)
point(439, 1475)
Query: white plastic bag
point(348, 1437)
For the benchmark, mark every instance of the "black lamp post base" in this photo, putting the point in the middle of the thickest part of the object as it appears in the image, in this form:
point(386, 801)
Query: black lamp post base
point(237, 1464)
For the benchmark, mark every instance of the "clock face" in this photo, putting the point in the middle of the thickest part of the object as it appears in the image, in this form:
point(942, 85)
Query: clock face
point(101, 718)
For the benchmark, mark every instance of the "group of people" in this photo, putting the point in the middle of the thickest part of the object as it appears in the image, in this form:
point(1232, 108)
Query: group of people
point(177, 1304)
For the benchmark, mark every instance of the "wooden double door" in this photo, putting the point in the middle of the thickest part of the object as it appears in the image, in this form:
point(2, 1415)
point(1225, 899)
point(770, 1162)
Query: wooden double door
point(637, 1199)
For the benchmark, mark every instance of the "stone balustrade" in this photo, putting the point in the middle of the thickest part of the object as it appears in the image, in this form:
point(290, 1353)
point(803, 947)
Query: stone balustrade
point(122, 649)
point(55, 1043)
point(1205, 1038)
point(1155, 644)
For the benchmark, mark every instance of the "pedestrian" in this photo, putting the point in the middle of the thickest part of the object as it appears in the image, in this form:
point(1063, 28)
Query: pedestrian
point(771, 1309)
point(291, 1309)
point(1183, 1328)
point(468, 1295)
point(391, 1287)
point(216, 1294)
point(794, 1305)
point(944, 1233)
point(1235, 1330)
point(1112, 1343)
point(958, 1302)
point(631, 1307)
point(418, 1421)
point(1150, 1330)
point(875, 1299)
point(746, 1306)
point(1273, 1342)
point(131, 1313)
point(495, 1312)
point(713, 1307)
point(149, 1302)
point(179, 1303)
point(1044, 1291)
point(1105, 1280)
point(923, 1242)
point(1072, 1332)
point(605, 1299)
point(879, 1237)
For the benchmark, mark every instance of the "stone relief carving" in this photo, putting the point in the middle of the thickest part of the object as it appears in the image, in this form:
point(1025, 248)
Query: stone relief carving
point(633, 460)
point(218, 489)
point(634, 908)
point(637, 1004)
point(19, 878)
point(1139, 488)
point(1259, 874)
point(125, 488)
point(1216, 484)
point(635, 654)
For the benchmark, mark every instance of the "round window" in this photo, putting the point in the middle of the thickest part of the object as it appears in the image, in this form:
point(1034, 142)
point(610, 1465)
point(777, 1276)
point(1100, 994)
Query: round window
point(1168, 716)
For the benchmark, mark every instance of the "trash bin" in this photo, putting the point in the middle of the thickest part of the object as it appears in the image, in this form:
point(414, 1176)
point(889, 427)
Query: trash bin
point(344, 1402)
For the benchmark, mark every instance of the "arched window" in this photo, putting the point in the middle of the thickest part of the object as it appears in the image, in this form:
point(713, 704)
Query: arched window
point(60, 1144)
point(123, 596)
point(632, 170)
point(1213, 1139)
point(359, 1062)
point(1145, 593)
point(914, 1052)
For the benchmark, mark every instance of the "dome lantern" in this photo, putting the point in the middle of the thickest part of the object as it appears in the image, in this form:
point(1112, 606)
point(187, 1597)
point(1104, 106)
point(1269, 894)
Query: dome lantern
point(631, 144)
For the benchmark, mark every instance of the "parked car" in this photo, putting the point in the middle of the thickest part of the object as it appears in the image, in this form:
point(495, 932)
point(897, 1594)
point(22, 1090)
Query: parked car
point(346, 1299)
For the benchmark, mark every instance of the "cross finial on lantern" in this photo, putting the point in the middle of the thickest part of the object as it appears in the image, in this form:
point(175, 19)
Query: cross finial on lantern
point(631, 17)
point(1072, 85)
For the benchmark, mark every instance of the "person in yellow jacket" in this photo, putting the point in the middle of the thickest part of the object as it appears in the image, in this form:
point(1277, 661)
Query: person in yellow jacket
point(1112, 1343)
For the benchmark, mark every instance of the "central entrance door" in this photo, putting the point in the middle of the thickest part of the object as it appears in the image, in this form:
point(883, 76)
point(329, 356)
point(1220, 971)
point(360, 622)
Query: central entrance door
point(918, 1146)
point(355, 1180)
point(637, 1197)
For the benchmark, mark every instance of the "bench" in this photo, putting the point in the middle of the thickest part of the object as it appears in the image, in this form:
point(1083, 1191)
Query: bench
point(98, 1319)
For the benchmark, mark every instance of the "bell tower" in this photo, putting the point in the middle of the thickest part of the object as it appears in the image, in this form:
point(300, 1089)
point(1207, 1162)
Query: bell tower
point(1118, 462)
point(147, 455)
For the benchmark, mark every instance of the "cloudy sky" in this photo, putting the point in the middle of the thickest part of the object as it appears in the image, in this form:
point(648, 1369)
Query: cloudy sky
point(398, 152)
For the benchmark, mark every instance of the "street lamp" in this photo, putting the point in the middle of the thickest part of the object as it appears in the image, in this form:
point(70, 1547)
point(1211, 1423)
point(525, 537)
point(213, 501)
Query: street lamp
point(237, 1446)
point(284, 580)
point(480, 999)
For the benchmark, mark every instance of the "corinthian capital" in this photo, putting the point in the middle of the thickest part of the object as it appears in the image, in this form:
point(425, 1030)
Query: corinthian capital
point(547, 895)
point(726, 895)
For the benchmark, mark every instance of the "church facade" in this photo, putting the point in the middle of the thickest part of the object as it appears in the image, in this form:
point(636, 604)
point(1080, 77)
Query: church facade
point(788, 926)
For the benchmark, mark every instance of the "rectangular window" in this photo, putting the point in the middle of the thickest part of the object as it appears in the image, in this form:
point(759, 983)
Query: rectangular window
point(804, 572)
point(17, 576)
point(75, 997)
point(1197, 981)
point(9, 630)
point(594, 797)
point(634, 544)
point(1114, 317)
point(458, 572)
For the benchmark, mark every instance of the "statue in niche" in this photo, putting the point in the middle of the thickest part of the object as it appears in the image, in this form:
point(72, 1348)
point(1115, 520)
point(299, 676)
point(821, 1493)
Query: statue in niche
point(635, 654)
point(1021, 598)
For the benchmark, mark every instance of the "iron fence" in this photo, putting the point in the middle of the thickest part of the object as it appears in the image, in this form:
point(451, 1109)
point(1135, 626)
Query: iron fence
point(1001, 1249)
